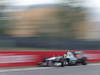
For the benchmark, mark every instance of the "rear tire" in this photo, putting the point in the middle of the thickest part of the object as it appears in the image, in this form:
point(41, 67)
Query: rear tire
point(84, 61)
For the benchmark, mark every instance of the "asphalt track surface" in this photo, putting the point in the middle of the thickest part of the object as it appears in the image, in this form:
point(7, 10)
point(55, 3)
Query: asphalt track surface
point(68, 70)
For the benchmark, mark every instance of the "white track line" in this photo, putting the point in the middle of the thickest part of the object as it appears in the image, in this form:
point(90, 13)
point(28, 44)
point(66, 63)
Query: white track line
point(36, 68)
point(24, 69)
point(94, 64)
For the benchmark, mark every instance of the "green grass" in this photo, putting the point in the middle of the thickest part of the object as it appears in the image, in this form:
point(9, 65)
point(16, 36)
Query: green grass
point(18, 49)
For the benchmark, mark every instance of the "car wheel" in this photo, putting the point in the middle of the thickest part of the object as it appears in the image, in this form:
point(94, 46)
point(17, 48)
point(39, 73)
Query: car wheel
point(84, 62)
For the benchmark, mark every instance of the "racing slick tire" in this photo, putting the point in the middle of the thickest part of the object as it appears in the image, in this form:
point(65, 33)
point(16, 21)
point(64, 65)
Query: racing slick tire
point(84, 61)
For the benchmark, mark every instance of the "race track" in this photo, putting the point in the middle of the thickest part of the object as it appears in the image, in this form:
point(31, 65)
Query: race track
point(68, 70)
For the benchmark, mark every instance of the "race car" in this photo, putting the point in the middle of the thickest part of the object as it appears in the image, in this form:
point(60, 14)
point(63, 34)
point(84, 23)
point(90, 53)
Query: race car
point(76, 58)
point(53, 61)
point(69, 58)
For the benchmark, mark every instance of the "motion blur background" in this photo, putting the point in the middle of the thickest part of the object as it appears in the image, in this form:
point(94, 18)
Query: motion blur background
point(50, 24)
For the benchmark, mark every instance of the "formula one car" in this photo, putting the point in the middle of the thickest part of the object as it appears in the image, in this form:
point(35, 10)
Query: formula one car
point(60, 61)
point(53, 61)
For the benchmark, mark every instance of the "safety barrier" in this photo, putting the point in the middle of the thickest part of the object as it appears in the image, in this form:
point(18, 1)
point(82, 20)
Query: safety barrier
point(31, 58)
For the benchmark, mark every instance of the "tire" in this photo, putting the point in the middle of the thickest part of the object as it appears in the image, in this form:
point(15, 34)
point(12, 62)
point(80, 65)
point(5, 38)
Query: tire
point(62, 64)
point(84, 62)
point(65, 63)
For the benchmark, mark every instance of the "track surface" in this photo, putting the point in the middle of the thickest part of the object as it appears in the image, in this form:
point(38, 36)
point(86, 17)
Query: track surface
point(68, 70)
